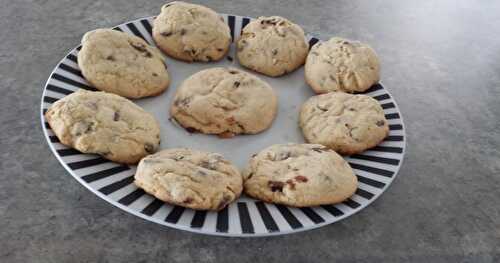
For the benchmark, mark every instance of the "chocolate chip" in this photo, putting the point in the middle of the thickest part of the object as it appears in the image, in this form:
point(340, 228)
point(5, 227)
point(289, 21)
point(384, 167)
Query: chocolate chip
point(253, 155)
point(182, 102)
point(236, 84)
point(233, 72)
point(321, 108)
point(250, 175)
point(188, 200)
point(191, 129)
point(320, 150)
point(210, 165)
point(166, 34)
point(141, 48)
point(225, 200)
point(230, 59)
point(276, 186)
point(282, 156)
point(241, 44)
point(220, 49)
point(380, 123)
point(275, 52)
point(110, 58)
point(116, 116)
point(242, 128)
point(183, 32)
point(155, 75)
point(352, 109)
point(271, 21)
point(178, 158)
point(209, 58)
point(149, 148)
point(300, 178)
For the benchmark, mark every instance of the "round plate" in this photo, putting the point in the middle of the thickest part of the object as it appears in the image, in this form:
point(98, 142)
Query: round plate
point(113, 182)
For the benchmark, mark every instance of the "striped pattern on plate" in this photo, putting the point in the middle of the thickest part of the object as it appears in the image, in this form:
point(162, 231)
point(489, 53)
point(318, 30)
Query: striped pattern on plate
point(375, 168)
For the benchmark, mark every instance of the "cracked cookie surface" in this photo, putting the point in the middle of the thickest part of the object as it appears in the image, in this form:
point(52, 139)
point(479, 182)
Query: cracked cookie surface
point(346, 123)
point(104, 124)
point(123, 64)
point(272, 46)
point(191, 32)
point(190, 178)
point(341, 65)
point(299, 175)
point(224, 101)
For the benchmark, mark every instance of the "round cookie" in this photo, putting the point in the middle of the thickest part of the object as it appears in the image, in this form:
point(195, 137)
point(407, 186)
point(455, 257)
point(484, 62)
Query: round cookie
point(346, 123)
point(272, 46)
point(123, 64)
point(104, 124)
point(341, 65)
point(191, 32)
point(190, 178)
point(224, 101)
point(299, 175)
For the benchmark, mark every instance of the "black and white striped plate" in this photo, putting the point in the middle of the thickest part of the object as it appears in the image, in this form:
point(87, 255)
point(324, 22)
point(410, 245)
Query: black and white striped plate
point(375, 168)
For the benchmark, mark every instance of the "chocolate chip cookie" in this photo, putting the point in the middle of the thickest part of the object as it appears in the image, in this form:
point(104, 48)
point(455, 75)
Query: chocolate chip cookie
point(104, 124)
point(272, 46)
point(341, 65)
point(190, 178)
point(299, 175)
point(224, 101)
point(346, 123)
point(123, 64)
point(191, 32)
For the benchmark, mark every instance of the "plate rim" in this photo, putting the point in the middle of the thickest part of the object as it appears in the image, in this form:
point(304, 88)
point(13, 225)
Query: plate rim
point(137, 213)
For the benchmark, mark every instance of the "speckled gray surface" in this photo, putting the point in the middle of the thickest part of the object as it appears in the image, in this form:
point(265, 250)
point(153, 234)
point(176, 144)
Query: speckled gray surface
point(440, 60)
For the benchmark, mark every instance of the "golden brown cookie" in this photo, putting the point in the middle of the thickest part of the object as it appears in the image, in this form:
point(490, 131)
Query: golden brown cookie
point(190, 178)
point(299, 175)
point(346, 123)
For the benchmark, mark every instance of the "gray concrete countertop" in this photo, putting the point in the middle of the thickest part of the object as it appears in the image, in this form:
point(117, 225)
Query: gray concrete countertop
point(440, 60)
